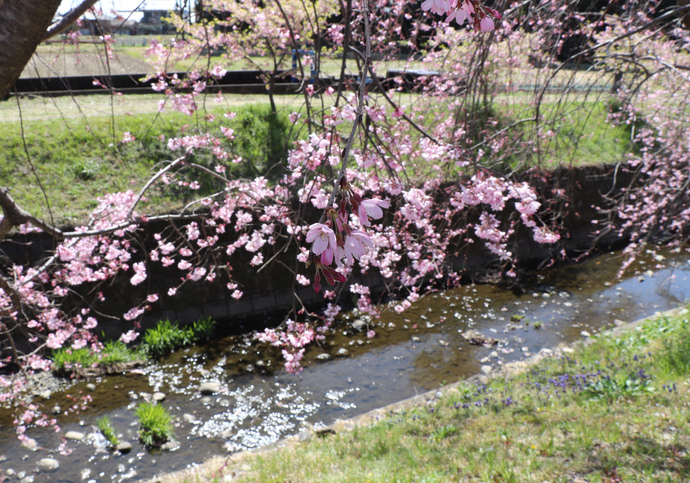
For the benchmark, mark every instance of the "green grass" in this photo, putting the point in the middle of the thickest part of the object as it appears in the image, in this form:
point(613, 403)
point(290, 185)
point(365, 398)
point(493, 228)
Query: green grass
point(106, 428)
point(71, 158)
point(113, 352)
point(74, 150)
point(615, 410)
point(155, 424)
point(167, 337)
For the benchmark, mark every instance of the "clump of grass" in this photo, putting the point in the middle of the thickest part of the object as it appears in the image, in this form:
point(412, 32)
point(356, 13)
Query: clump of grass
point(167, 337)
point(592, 414)
point(674, 357)
point(66, 359)
point(106, 428)
point(155, 424)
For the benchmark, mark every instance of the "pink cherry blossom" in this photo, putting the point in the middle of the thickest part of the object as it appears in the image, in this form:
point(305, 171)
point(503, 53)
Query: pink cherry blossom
point(322, 239)
point(371, 209)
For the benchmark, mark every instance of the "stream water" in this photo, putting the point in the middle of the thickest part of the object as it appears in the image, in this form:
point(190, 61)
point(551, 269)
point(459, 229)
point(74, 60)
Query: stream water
point(417, 351)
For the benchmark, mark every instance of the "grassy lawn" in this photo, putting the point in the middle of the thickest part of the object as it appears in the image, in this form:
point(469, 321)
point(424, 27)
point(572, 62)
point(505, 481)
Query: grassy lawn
point(614, 410)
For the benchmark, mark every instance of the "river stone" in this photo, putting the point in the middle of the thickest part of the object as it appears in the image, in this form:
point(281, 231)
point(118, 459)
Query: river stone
point(359, 325)
point(28, 479)
point(208, 388)
point(584, 333)
point(486, 369)
point(416, 339)
point(48, 465)
point(57, 409)
point(225, 402)
point(342, 352)
point(305, 435)
point(171, 445)
point(188, 418)
point(205, 400)
point(91, 386)
point(74, 435)
point(30, 443)
point(46, 394)
point(323, 357)
point(124, 447)
point(158, 396)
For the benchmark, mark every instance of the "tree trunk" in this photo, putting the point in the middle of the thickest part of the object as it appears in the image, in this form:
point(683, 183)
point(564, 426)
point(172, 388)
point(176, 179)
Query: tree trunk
point(23, 24)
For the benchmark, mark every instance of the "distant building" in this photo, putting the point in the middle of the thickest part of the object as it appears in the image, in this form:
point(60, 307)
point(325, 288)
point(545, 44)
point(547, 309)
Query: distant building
point(154, 14)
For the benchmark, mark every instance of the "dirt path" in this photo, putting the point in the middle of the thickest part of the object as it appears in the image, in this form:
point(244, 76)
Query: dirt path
point(60, 64)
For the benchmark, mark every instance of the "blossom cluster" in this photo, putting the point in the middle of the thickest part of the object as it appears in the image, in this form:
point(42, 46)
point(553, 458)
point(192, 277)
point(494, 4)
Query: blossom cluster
point(336, 241)
point(471, 11)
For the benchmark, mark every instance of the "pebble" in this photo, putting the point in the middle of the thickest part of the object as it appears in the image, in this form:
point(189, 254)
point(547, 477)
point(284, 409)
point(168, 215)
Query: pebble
point(494, 355)
point(416, 339)
point(205, 400)
point(124, 447)
point(188, 418)
point(584, 333)
point(484, 360)
point(359, 325)
point(91, 386)
point(171, 445)
point(208, 388)
point(74, 435)
point(46, 394)
point(30, 444)
point(323, 357)
point(57, 409)
point(158, 396)
point(342, 352)
point(48, 465)
point(486, 369)
point(224, 403)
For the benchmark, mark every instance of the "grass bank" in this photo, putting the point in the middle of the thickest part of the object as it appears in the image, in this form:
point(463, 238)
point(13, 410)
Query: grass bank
point(613, 410)
point(67, 150)
point(57, 165)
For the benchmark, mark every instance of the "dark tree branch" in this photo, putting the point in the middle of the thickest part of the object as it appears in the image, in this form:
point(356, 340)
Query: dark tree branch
point(68, 19)
point(15, 216)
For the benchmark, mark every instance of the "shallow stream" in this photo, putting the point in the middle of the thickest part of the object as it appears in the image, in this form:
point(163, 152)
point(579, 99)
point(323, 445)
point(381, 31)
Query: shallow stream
point(417, 351)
